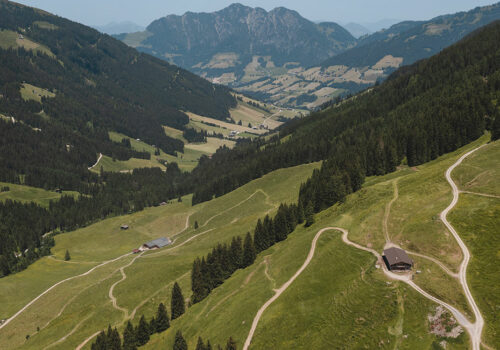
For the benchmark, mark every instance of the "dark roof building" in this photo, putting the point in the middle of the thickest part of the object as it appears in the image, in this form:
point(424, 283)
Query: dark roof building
point(157, 243)
point(397, 259)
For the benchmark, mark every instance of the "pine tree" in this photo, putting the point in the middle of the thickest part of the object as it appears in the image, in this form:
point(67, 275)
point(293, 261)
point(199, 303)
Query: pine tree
point(200, 345)
point(113, 341)
point(231, 344)
point(142, 332)
point(249, 253)
point(100, 342)
point(129, 337)
point(180, 342)
point(178, 305)
point(236, 253)
point(152, 325)
point(196, 225)
point(209, 346)
point(162, 323)
point(495, 128)
point(309, 214)
point(300, 213)
point(67, 257)
point(259, 237)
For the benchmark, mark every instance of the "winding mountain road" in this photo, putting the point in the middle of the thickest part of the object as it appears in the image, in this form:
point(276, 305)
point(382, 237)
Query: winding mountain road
point(477, 327)
point(474, 329)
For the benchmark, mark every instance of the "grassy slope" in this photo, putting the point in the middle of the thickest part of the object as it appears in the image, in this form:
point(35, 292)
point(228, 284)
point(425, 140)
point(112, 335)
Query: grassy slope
point(87, 299)
point(477, 220)
point(27, 194)
point(340, 297)
point(186, 161)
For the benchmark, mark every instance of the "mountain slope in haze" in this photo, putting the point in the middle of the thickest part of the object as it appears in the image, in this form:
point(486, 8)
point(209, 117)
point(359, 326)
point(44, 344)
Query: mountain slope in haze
point(66, 84)
point(241, 44)
point(373, 58)
point(422, 111)
point(357, 30)
point(411, 41)
point(119, 27)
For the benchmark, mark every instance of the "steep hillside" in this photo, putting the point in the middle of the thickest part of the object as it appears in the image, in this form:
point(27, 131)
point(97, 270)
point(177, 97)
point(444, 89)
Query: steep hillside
point(341, 297)
point(63, 86)
point(421, 112)
point(372, 59)
point(240, 44)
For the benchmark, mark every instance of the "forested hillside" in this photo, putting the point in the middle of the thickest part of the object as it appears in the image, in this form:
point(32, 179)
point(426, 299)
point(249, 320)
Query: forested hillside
point(63, 87)
point(71, 85)
point(421, 112)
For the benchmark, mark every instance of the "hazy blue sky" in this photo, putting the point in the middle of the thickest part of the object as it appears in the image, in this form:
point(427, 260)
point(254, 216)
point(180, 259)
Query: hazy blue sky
point(97, 12)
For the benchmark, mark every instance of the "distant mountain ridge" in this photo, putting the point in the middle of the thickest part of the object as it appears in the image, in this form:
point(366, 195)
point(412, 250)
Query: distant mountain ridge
point(274, 56)
point(119, 27)
point(283, 34)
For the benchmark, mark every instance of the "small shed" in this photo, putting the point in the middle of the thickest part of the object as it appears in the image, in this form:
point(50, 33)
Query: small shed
point(396, 259)
point(124, 227)
point(157, 243)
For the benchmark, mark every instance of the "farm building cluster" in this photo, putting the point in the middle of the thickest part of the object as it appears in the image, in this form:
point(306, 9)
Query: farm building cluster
point(155, 244)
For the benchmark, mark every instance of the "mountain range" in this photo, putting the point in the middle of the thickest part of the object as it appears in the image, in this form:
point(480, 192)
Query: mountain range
point(280, 57)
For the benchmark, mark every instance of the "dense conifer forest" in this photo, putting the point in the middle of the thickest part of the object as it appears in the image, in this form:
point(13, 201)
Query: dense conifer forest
point(96, 84)
point(421, 112)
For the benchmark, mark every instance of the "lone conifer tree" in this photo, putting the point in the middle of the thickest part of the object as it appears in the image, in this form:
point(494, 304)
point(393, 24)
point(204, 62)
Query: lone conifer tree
point(67, 257)
point(178, 305)
point(113, 340)
point(200, 345)
point(180, 342)
point(309, 213)
point(231, 344)
point(196, 225)
point(129, 338)
point(301, 217)
point(248, 251)
point(162, 323)
point(142, 332)
point(100, 342)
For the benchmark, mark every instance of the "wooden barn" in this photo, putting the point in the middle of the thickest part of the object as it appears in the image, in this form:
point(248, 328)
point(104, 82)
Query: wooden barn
point(396, 259)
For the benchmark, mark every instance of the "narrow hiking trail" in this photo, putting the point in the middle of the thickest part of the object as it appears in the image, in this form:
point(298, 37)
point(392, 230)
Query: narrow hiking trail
point(481, 194)
point(474, 329)
point(98, 160)
point(124, 277)
point(284, 287)
point(388, 209)
point(57, 284)
point(437, 262)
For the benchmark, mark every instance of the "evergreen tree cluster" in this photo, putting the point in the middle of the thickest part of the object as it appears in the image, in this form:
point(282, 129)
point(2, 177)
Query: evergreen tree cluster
point(421, 112)
point(100, 85)
point(195, 136)
point(24, 226)
point(133, 337)
point(209, 272)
